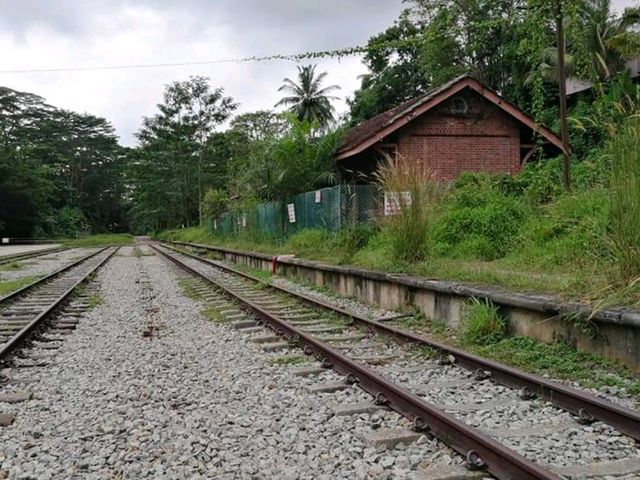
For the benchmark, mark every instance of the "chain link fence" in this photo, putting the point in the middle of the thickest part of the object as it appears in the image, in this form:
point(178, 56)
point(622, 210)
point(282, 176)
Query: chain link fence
point(331, 209)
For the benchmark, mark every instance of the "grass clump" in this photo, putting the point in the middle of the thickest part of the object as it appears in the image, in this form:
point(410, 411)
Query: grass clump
point(100, 240)
point(414, 194)
point(188, 288)
point(12, 266)
point(213, 315)
point(94, 301)
point(264, 275)
point(483, 323)
point(13, 285)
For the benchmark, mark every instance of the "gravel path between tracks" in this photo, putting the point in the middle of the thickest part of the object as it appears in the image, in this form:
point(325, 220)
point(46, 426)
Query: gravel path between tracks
point(43, 265)
point(193, 401)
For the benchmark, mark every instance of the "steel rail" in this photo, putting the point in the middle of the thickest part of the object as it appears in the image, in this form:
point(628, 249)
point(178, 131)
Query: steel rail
point(51, 275)
point(14, 341)
point(582, 404)
point(27, 255)
point(480, 449)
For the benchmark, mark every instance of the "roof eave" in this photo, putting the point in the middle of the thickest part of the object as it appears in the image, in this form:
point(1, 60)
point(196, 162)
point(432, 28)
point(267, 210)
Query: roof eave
point(408, 116)
point(422, 107)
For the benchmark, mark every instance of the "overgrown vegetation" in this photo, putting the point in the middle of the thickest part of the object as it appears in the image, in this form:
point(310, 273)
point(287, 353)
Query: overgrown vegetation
point(12, 266)
point(524, 233)
point(94, 300)
point(558, 360)
point(213, 314)
point(624, 194)
point(9, 286)
point(188, 288)
point(100, 240)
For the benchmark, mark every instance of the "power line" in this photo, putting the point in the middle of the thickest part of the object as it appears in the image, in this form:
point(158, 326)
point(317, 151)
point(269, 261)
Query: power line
point(343, 52)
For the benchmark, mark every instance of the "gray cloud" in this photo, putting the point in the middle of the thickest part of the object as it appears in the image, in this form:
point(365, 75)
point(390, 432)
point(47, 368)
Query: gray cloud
point(63, 33)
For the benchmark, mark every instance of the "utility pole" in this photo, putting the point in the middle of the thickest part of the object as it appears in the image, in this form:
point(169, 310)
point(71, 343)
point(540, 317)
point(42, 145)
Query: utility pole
point(562, 82)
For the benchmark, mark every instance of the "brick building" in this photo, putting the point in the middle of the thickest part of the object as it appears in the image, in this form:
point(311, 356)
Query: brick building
point(462, 126)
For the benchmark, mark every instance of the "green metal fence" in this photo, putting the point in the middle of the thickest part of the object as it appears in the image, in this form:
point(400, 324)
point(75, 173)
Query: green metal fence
point(330, 209)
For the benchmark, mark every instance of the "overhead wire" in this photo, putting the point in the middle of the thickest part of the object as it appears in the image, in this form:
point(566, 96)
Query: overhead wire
point(310, 55)
point(284, 57)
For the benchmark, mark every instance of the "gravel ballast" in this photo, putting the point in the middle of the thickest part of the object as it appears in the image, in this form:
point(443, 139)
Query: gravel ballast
point(193, 400)
point(43, 265)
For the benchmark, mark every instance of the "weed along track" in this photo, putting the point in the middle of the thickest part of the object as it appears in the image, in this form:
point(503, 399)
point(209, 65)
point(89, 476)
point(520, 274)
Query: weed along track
point(500, 421)
point(35, 319)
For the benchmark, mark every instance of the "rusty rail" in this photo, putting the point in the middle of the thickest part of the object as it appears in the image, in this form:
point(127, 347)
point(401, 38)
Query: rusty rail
point(582, 404)
point(480, 450)
point(17, 257)
point(7, 347)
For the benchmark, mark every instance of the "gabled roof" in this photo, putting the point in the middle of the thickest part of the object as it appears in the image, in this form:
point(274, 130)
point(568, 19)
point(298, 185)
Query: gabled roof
point(362, 136)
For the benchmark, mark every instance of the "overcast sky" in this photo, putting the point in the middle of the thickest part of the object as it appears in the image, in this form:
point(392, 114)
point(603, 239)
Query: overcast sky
point(38, 34)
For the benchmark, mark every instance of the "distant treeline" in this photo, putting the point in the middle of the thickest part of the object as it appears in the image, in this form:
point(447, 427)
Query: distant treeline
point(60, 172)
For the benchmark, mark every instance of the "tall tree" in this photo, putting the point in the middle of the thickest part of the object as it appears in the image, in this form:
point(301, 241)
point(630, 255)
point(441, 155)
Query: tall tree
point(260, 125)
point(307, 99)
point(435, 40)
point(56, 164)
point(172, 168)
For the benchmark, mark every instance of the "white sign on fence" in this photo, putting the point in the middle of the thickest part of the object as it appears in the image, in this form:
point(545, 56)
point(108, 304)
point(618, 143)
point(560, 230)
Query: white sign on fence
point(318, 196)
point(244, 220)
point(394, 201)
point(5, 240)
point(291, 210)
point(215, 224)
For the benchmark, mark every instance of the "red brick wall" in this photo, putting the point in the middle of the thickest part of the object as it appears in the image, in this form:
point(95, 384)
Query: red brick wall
point(484, 139)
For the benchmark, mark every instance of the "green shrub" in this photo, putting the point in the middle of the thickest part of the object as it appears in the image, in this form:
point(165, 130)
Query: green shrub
point(482, 323)
point(70, 222)
point(214, 203)
point(310, 242)
point(352, 239)
point(541, 182)
point(479, 220)
point(570, 231)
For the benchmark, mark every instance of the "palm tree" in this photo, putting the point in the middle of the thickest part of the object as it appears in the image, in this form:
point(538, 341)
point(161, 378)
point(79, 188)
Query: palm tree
point(609, 41)
point(306, 99)
point(602, 42)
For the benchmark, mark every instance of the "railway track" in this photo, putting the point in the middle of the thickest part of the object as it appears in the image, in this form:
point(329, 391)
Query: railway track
point(27, 255)
point(496, 417)
point(27, 310)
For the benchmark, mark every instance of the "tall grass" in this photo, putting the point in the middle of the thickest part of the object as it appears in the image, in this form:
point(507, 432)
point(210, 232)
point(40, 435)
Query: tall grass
point(624, 233)
point(99, 240)
point(408, 229)
point(482, 323)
